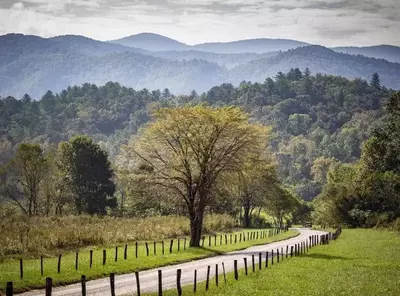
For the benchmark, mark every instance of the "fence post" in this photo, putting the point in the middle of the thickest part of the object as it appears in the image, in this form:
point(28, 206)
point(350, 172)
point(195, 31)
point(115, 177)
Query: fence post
point(159, 282)
point(90, 258)
point(170, 246)
point(49, 285)
point(236, 270)
point(21, 268)
point(272, 257)
point(83, 285)
point(137, 283)
point(216, 275)
point(59, 264)
point(76, 260)
point(41, 266)
point(245, 265)
point(9, 289)
point(208, 277)
point(178, 281)
point(126, 252)
point(195, 281)
point(104, 257)
point(112, 284)
point(223, 269)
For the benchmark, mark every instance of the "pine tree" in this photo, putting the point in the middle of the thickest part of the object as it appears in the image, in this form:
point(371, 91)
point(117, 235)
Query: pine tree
point(375, 81)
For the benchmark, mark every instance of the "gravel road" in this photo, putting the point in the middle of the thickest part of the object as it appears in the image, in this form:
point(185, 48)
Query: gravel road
point(126, 284)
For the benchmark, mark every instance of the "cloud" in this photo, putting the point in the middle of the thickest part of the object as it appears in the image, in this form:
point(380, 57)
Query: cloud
point(331, 23)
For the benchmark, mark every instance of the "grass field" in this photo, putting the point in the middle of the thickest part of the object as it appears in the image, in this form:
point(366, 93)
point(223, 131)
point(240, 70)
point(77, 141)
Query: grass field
point(361, 262)
point(9, 270)
point(48, 236)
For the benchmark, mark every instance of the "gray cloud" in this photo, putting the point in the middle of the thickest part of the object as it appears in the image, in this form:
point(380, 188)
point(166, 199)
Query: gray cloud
point(334, 22)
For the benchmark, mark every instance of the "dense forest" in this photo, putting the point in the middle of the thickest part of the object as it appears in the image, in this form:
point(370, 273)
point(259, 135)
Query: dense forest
point(317, 120)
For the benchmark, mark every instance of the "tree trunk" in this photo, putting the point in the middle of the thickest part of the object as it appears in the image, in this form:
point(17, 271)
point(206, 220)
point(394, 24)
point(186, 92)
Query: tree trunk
point(196, 225)
point(246, 214)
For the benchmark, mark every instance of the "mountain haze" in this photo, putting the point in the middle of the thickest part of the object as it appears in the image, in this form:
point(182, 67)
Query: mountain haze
point(33, 65)
point(152, 42)
point(251, 46)
point(387, 52)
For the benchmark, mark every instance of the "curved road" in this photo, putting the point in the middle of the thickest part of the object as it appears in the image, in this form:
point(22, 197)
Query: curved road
point(126, 284)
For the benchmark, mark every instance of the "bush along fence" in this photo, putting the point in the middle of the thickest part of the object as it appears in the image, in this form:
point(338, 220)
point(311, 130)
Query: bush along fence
point(258, 261)
point(154, 248)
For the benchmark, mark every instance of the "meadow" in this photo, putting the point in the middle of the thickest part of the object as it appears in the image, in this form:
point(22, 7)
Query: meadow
point(361, 262)
point(48, 236)
point(33, 278)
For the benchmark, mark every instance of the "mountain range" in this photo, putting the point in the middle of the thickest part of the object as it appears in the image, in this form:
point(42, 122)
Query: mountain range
point(33, 65)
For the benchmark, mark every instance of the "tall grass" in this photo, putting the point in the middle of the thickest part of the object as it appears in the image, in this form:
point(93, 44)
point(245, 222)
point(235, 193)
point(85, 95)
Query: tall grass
point(32, 237)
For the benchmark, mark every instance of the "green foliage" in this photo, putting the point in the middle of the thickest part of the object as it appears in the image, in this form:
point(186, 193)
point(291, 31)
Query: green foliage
point(367, 194)
point(22, 177)
point(87, 172)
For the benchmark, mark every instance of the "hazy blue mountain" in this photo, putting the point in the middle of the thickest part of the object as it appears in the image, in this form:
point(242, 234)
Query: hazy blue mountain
point(152, 42)
point(33, 65)
point(251, 46)
point(13, 46)
point(322, 60)
point(225, 60)
point(387, 52)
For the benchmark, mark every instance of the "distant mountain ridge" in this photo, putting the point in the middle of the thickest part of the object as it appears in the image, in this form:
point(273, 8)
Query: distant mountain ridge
point(33, 65)
point(155, 42)
point(387, 52)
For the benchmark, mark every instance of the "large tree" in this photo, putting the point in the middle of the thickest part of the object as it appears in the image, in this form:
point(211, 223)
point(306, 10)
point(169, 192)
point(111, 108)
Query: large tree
point(187, 149)
point(87, 171)
point(22, 177)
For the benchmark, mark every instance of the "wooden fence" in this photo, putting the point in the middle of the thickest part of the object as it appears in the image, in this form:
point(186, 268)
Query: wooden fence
point(299, 249)
point(159, 248)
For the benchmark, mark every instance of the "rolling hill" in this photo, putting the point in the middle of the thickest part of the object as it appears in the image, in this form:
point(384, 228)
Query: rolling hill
point(388, 52)
point(33, 65)
point(151, 42)
point(251, 46)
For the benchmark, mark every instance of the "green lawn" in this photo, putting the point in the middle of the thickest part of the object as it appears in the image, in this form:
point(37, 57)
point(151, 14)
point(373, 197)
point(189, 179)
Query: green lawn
point(10, 271)
point(361, 262)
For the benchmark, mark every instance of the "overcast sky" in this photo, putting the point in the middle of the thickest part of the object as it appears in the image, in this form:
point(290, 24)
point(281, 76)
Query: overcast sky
point(330, 23)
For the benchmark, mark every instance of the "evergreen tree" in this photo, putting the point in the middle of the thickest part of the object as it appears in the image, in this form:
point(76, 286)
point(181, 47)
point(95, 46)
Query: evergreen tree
point(375, 81)
point(87, 172)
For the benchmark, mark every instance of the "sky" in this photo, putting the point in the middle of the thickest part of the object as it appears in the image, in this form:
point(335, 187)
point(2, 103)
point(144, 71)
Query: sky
point(329, 23)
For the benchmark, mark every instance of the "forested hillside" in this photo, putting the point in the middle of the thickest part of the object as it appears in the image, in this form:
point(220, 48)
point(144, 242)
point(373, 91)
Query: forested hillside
point(317, 120)
point(30, 64)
